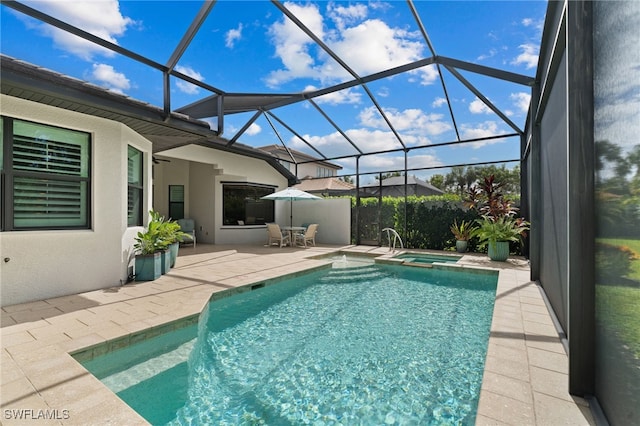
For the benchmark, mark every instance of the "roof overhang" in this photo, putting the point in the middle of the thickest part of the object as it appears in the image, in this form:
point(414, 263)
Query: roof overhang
point(27, 81)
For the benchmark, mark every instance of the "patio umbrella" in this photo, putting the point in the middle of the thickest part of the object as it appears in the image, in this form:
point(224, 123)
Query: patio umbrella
point(291, 195)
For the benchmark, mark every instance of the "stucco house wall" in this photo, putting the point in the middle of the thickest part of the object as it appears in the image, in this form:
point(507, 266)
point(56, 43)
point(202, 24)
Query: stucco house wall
point(37, 265)
point(208, 169)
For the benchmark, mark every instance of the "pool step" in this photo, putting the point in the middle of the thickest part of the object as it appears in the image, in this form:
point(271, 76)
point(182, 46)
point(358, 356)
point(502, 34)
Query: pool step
point(369, 272)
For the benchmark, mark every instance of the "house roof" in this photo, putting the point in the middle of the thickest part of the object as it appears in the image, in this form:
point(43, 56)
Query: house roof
point(399, 181)
point(23, 80)
point(324, 184)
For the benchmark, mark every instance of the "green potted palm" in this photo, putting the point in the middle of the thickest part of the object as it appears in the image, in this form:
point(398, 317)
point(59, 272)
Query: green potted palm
point(462, 231)
point(499, 224)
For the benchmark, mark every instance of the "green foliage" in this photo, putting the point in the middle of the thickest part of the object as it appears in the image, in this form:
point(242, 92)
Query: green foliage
point(158, 236)
point(463, 231)
point(613, 261)
point(617, 307)
point(503, 228)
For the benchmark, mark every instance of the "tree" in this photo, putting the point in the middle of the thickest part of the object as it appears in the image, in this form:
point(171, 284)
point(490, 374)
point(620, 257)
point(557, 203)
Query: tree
point(347, 179)
point(383, 176)
point(437, 181)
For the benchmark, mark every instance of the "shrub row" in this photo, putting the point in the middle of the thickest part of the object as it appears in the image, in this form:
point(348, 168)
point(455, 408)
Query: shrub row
point(428, 221)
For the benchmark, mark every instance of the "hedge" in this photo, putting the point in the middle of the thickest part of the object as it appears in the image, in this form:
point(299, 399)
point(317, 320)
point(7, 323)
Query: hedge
point(429, 219)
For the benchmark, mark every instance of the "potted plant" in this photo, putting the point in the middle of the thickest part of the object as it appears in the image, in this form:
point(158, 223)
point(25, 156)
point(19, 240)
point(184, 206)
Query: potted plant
point(497, 233)
point(148, 263)
point(499, 224)
point(462, 232)
point(170, 235)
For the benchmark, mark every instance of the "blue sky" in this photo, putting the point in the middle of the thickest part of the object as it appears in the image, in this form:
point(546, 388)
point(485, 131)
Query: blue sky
point(250, 46)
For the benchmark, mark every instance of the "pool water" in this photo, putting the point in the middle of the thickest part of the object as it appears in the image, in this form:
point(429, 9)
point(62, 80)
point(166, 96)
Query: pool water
point(427, 258)
point(377, 344)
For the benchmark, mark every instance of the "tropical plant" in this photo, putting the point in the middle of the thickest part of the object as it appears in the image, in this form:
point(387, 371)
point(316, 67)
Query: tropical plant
point(463, 231)
point(499, 221)
point(158, 236)
point(148, 241)
point(501, 229)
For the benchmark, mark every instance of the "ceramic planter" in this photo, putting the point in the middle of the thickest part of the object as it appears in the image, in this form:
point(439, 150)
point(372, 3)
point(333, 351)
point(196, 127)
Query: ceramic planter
point(173, 249)
point(461, 246)
point(165, 261)
point(499, 250)
point(148, 267)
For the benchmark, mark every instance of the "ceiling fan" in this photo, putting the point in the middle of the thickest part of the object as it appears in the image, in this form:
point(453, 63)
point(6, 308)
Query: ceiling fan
point(158, 160)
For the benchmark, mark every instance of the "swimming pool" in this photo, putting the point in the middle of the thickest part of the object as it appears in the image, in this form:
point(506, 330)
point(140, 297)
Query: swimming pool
point(378, 344)
point(427, 258)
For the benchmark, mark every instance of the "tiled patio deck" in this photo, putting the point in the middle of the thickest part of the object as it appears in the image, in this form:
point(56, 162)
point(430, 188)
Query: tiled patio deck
point(524, 383)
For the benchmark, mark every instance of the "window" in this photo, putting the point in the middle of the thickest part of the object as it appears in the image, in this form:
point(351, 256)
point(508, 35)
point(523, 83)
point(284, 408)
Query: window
point(242, 204)
point(176, 202)
point(46, 176)
point(134, 187)
point(323, 172)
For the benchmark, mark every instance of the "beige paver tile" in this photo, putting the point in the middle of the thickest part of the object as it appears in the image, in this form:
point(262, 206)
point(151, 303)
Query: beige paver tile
point(9, 370)
point(6, 319)
point(18, 393)
point(31, 306)
point(541, 318)
point(532, 300)
point(509, 368)
point(550, 344)
point(540, 329)
point(486, 421)
point(550, 383)
point(35, 315)
point(506, 410)
point(548, 360)
point(507, 386)
point(508, 353)
point(555, 411)
point(16, 338)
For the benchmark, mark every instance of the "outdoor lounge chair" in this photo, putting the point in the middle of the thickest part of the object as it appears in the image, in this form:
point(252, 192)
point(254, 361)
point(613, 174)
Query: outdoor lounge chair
point(188, 226)
point(308, 236)
point(275, 235)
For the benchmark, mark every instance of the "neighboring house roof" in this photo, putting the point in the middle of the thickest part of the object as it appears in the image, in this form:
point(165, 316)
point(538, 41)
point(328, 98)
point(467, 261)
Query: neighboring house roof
point(396, 183)
point(27, 81)
point(330, 184)
point(280, 152)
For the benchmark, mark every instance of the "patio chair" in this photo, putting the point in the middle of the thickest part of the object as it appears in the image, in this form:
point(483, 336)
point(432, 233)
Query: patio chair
point(308, 236)
point(188, 226)
point(275, 235)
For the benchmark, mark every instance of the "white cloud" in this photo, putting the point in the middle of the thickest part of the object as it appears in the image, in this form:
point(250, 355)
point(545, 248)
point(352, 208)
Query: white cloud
point(438, 102)
point(341, 97)
point(342, 15)
point(428, 75)
point(528, 57)
point(188, 88)
point(107, 76)
point(368, 46)
point(479, 107)
point(253, 129)
point(491, 54)
point(481, 130)
point(292, 44)
point(232, 36)
point(100, 18)
point(409, 121)
point(521, 100)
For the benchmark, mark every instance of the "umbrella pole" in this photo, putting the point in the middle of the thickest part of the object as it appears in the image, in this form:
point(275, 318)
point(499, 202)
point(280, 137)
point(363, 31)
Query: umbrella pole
point(290, 212)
